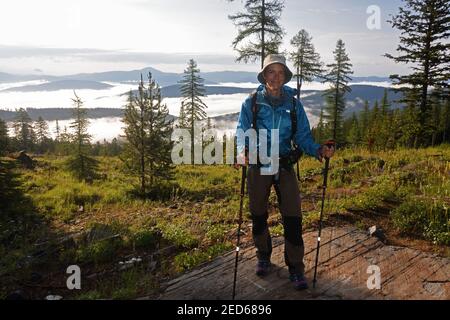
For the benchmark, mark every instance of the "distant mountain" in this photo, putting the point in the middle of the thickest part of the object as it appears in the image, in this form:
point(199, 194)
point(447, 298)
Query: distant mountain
point(163, 78)
point(371, 79)
point(61, 85)
point(354, 100)
point(7, 77)
point(174, 90)
point(51, 114)
point(222, 121)
point(229, 76)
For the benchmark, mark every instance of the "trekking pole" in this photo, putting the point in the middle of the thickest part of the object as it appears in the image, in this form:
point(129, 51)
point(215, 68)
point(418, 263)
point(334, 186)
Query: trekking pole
point(243, 178)
point(328, 143)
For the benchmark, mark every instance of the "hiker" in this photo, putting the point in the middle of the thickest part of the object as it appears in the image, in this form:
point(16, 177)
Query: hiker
point(274, 106)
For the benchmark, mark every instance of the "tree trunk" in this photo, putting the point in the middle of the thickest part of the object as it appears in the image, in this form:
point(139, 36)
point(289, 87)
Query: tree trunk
point(263, 44)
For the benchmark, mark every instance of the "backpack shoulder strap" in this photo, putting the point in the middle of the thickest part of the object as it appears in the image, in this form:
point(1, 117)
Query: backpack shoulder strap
point(294, 118)
point(254, 110)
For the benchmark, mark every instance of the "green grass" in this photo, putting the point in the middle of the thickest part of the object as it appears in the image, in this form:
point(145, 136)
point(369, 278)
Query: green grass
point(199, 213)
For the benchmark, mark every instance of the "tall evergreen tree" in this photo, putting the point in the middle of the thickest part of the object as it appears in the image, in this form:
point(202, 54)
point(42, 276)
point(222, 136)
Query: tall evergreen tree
point(445, 121)
point(148, 131)
point(425, 28)
point(319, 131)
point(410, 121)
point(354, 135)
point(375, 125)
point(23, 130)
point(192, 89)
point(306, 60)
point(436, 112)
point(81, 164)
point(42, 135)
point(364, 121)
point(386, 120)
point(4, 139)
point(57, 131)
point(182, 122)
point(338, 77)
point(259, 30)
point(62, 146)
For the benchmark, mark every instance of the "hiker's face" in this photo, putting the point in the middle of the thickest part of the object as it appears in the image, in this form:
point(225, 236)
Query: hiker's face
point(274, 76)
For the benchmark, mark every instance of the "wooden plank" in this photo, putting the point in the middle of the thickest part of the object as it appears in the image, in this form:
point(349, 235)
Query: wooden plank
point(342, 272)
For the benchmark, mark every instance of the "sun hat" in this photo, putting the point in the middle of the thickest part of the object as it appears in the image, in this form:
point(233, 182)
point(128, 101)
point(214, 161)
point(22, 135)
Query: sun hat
point(272, 59)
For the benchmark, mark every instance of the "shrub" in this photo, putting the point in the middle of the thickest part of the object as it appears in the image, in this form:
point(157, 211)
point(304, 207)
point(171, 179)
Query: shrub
point(424, 219)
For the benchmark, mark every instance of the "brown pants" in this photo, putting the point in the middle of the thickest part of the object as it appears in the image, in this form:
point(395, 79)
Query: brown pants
point(259, 190)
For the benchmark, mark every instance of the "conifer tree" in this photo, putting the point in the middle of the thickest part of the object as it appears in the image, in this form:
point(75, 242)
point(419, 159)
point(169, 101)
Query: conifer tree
point(80, 163)
point(354, 135)
point(57, 131)
point(338, 77)
point(182, 123)
point(319, 131)
point(192, 90)
point(4, 138)
point(306, 60)
point(385, 128)
point(42, 135)
point(147, 151)
point(364, 121)
point(23, 130)
point(259, 30)
point(424, 26)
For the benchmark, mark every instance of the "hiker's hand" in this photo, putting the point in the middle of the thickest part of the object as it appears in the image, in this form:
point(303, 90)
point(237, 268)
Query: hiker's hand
point(241, 160)
point(326, 151)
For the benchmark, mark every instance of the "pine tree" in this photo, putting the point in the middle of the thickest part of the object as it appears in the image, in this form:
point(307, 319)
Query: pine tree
point(259, 31)
point(42, 135)
point(319, 131)
point(435, 120)
point(147, 152)
point(364, 121)
point(57, 131)
point(63, 147)
point(23, 130)
point(81, 164)
point(445, 121)
point(115, 148)
point(192, 89)
point(396, 129)
point(306, 60)
point(338, 77)
point(424, 26)
point(209, 124)
point(410, 121)
point(385, 121)
point(354, 135)
point(4, 139)
point(182, 123)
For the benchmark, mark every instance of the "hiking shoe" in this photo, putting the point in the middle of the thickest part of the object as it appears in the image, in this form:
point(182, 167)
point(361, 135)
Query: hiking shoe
point(299, 281)
point(262, 268)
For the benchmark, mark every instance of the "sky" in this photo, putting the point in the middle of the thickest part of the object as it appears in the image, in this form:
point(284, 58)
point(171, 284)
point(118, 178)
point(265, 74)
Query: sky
point(58, 37)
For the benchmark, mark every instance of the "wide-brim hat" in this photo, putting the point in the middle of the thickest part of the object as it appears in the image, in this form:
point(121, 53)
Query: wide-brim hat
point(272, 59)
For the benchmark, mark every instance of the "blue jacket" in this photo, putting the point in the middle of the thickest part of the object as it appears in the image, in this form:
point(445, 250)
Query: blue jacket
point(279, 117)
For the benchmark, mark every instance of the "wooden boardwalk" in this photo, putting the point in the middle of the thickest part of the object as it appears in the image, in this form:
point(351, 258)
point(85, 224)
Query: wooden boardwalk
point(342, 273)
